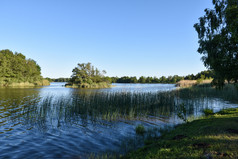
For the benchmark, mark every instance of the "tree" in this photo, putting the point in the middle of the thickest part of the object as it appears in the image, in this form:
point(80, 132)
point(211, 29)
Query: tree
point(15, 68)
point(218, 40)
point(163, 79)
point(142, 79)
point(86, 73)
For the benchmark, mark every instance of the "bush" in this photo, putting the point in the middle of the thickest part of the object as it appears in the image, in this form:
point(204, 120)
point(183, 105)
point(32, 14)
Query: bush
point(227, 111)
point(140, 129)
point(208, 112)
point(199, 81)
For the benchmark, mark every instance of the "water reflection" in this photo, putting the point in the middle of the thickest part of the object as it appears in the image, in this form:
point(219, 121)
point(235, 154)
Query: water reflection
point(14, 104)
point(55, 121)
point(90, 108)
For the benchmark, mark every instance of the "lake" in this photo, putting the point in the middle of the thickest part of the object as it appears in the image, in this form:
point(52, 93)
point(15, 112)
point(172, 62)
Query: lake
point(59, 122)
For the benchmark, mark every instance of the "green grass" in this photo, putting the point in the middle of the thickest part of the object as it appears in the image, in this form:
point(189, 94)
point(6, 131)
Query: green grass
point(215, 136)
point(208, 112)
point(25, 84)
point(140, 129)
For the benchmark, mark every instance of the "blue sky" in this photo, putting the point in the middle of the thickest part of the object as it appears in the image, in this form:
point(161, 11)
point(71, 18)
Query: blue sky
point(124, 37)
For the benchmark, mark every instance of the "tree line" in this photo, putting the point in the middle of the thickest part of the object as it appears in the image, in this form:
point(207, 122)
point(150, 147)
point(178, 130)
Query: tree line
point(61, 79)
point(16, 68)
point(170, 79)
point(126, 79)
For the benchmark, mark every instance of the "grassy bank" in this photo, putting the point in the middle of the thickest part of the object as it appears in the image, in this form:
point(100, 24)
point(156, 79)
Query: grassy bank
point(190, 83)
point(86, 85)
point(215, 136)
point(25, 84)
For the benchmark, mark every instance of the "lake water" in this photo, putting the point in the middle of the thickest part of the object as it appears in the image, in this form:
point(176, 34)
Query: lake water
point(59, 122)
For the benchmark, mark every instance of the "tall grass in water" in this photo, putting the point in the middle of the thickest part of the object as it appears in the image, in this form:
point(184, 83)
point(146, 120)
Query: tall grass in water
point(97, 107)
point(115, 106)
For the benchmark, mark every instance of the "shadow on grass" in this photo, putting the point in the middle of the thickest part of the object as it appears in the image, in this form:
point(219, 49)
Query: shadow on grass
point(212, 137)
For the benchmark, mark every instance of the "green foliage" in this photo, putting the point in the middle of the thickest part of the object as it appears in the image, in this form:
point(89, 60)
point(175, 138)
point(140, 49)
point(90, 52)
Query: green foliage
point(203, 138)
point(208, 112)
point(228, 111)
point(49, 79)
point(15, 68)
point(62, 79)
point(182, 112)
point(218, 39)
point(89, 85)
point(209, 74)
point(140, 129)
point(199, 81)
point(170, 79)
point(86, 76)
point(142, 79)
point(126, 79)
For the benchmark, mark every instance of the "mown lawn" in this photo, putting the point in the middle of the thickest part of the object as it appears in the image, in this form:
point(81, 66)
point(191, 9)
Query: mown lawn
point(215, 136)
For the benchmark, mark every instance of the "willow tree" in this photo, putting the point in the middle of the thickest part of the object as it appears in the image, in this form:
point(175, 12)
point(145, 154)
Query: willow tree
point(218, 40)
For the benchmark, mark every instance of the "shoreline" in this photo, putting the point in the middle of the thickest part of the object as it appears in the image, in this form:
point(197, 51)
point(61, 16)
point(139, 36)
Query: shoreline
point(89, 86)
point(25, 84)
point(213, 136)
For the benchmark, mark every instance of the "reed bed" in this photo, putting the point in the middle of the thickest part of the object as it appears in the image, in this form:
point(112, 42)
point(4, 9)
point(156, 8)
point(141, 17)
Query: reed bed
point(100, 107)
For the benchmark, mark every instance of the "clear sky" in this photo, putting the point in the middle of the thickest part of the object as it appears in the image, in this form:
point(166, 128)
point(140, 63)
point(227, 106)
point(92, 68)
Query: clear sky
point(124, 37)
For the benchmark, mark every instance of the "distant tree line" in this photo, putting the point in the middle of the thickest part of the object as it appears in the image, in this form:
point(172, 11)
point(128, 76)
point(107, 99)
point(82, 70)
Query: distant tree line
point(126, 79)
point(16, 68)
point(170, 79)
point(62, 79)
point(142, 79)
point(201, 75)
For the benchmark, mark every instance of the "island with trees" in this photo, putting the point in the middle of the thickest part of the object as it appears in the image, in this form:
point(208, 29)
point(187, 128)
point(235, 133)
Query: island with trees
point(85, 75)
point(18, 71)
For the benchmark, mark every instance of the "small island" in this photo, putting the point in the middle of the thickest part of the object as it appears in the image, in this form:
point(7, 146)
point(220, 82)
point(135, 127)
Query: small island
point(17, 71)
point(85, 75)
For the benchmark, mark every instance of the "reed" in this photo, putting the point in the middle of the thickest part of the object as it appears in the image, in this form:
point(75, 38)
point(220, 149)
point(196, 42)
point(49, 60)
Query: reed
point(190, 83)
point(97, 107)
